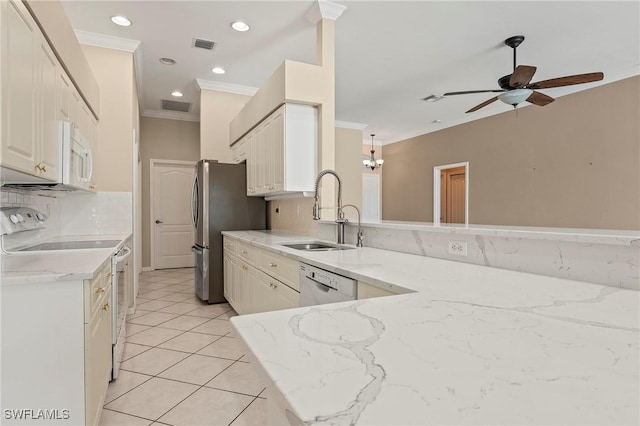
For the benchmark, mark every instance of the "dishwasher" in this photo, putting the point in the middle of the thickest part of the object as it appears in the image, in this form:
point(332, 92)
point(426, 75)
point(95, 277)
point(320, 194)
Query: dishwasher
point(318, 286)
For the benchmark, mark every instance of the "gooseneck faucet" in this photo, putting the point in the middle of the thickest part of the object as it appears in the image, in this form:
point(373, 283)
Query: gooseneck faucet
point(316, 204)
point(359, 235)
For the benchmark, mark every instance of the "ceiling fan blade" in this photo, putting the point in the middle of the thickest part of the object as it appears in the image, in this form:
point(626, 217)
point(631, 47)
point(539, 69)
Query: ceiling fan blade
point(539, 99)
point(482, 105)
point(467, 92)
point(522, 75)
point(567, 81)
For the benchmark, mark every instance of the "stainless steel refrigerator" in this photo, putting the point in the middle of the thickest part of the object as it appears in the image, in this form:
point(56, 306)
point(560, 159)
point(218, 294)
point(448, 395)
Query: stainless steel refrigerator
point(219, 202)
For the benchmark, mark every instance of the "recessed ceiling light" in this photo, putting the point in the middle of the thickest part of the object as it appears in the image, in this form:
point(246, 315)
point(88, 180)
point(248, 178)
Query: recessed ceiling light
point(121, 20)
point(218, 70)
point(240, 26)
point(167, 61)
point(177, 94)
point(437, 121)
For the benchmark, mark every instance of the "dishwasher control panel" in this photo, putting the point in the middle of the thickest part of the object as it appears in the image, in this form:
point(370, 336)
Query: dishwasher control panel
point(341, 284)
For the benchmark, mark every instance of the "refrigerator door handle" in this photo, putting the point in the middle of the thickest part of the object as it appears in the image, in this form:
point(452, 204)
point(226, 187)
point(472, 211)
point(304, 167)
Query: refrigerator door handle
point(196, 249)
point(194, 200)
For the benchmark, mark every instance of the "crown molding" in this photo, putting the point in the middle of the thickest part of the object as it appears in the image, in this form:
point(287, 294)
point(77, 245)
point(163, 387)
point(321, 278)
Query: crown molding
point(238, 89)
point(351, 125)
point(170, 115)
point(322, 9)
point(110, 42)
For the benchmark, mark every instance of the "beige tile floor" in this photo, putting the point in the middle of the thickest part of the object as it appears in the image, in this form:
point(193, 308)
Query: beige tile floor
point(182, 365)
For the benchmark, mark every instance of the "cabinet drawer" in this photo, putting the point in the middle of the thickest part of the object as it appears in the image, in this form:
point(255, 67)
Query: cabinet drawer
point(281, 268)
point(96, 290)
point(247, 253)
point(230, 245)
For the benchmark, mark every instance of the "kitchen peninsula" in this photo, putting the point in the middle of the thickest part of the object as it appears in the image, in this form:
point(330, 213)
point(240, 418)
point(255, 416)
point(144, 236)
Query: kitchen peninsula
point(471, 345)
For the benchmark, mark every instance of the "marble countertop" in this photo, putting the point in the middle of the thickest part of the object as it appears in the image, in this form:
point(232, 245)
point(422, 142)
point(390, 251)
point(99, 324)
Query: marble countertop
point(62, 265)
point(471, 345)
point(577, 235)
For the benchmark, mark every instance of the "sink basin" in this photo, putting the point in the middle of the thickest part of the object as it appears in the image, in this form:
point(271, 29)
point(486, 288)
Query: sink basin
point(316, 246)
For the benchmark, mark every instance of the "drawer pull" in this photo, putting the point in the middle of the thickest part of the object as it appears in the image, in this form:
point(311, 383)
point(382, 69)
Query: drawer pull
point(100, 290)
point(244, 252)
point(273, 286)
point(273, 265)
point(105, 306)
point(108, 275)
point(244, 268)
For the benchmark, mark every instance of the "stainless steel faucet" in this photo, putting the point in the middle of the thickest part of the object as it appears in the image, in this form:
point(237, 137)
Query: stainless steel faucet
point(340, 221)
point(359, 235)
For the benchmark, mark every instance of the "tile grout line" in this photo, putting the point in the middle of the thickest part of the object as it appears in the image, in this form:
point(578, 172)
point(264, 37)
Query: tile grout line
point(219, 337)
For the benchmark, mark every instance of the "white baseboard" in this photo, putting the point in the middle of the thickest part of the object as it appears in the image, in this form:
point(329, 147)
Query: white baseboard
point(147, 269)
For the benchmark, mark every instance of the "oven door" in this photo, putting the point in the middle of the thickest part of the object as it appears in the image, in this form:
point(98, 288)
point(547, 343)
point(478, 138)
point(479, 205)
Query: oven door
point(120, 266)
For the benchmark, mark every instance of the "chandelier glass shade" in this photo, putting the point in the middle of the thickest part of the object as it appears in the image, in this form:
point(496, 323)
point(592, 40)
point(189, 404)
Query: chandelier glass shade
point(372, 163)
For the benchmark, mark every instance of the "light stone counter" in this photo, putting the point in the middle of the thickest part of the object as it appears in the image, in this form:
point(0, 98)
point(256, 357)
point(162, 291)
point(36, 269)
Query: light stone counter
point(63, 265)
point(473, 345)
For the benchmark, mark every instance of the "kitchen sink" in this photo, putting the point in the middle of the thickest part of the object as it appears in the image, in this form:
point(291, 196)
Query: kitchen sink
point(316, 246)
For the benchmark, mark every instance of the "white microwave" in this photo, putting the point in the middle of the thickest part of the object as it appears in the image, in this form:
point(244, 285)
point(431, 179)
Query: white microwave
point(76, 165)
point(77, 161)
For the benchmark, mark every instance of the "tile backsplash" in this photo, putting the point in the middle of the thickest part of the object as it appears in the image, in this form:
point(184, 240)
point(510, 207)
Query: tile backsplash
point(77, 213)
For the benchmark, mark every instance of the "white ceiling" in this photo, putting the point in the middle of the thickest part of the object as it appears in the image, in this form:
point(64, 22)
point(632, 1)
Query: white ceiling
point(389, 54)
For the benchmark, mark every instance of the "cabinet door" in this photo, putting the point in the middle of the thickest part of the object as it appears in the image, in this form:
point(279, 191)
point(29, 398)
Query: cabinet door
point(229, 281)
point(261, 158)
point(97, 359)
point(50, 151)
point(277, 151)
point(286, 297)
point(76, 110)
point(63, 96)
point(19, 146)
point(264, 294)
point(251, 163)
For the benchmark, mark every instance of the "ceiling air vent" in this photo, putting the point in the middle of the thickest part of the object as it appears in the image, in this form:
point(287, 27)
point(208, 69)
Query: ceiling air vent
point(175, 105)
point(203, 44)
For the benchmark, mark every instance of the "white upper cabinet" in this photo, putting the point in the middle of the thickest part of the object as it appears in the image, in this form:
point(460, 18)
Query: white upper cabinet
point(36, 94)
point(47, 138)
point(19, 143)
point(282, 151)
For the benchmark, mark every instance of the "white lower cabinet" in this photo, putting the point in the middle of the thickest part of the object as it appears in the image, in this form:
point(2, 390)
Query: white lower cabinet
point(250, 284)
point(56, 349)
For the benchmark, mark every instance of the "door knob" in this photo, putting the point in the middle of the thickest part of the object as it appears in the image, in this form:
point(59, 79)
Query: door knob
point(159, 221)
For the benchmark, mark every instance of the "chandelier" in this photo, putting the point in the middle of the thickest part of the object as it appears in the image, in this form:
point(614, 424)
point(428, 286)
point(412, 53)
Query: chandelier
point(372, 163)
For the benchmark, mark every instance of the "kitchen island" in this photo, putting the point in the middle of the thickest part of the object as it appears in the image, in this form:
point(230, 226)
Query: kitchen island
point(471, 345)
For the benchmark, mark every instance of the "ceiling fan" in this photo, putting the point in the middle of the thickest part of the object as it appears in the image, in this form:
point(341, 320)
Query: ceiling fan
point(517, 87)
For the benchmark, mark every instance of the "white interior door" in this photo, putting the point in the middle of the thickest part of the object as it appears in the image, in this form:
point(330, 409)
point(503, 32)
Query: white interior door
point(371, 198)
point(172, 232)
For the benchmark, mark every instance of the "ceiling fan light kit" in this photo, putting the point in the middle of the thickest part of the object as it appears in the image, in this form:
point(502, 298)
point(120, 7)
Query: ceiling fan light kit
point(515, 96)
point(516, 87)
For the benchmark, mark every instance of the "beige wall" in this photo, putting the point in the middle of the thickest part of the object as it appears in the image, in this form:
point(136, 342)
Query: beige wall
point(573, 163)
point(162, 139)
point(217, 109)
point(54, 22)
point(349, 168)
point(113, 152)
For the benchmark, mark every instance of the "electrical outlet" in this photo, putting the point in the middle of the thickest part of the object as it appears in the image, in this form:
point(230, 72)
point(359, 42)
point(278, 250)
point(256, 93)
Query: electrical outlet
point(459, 248)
